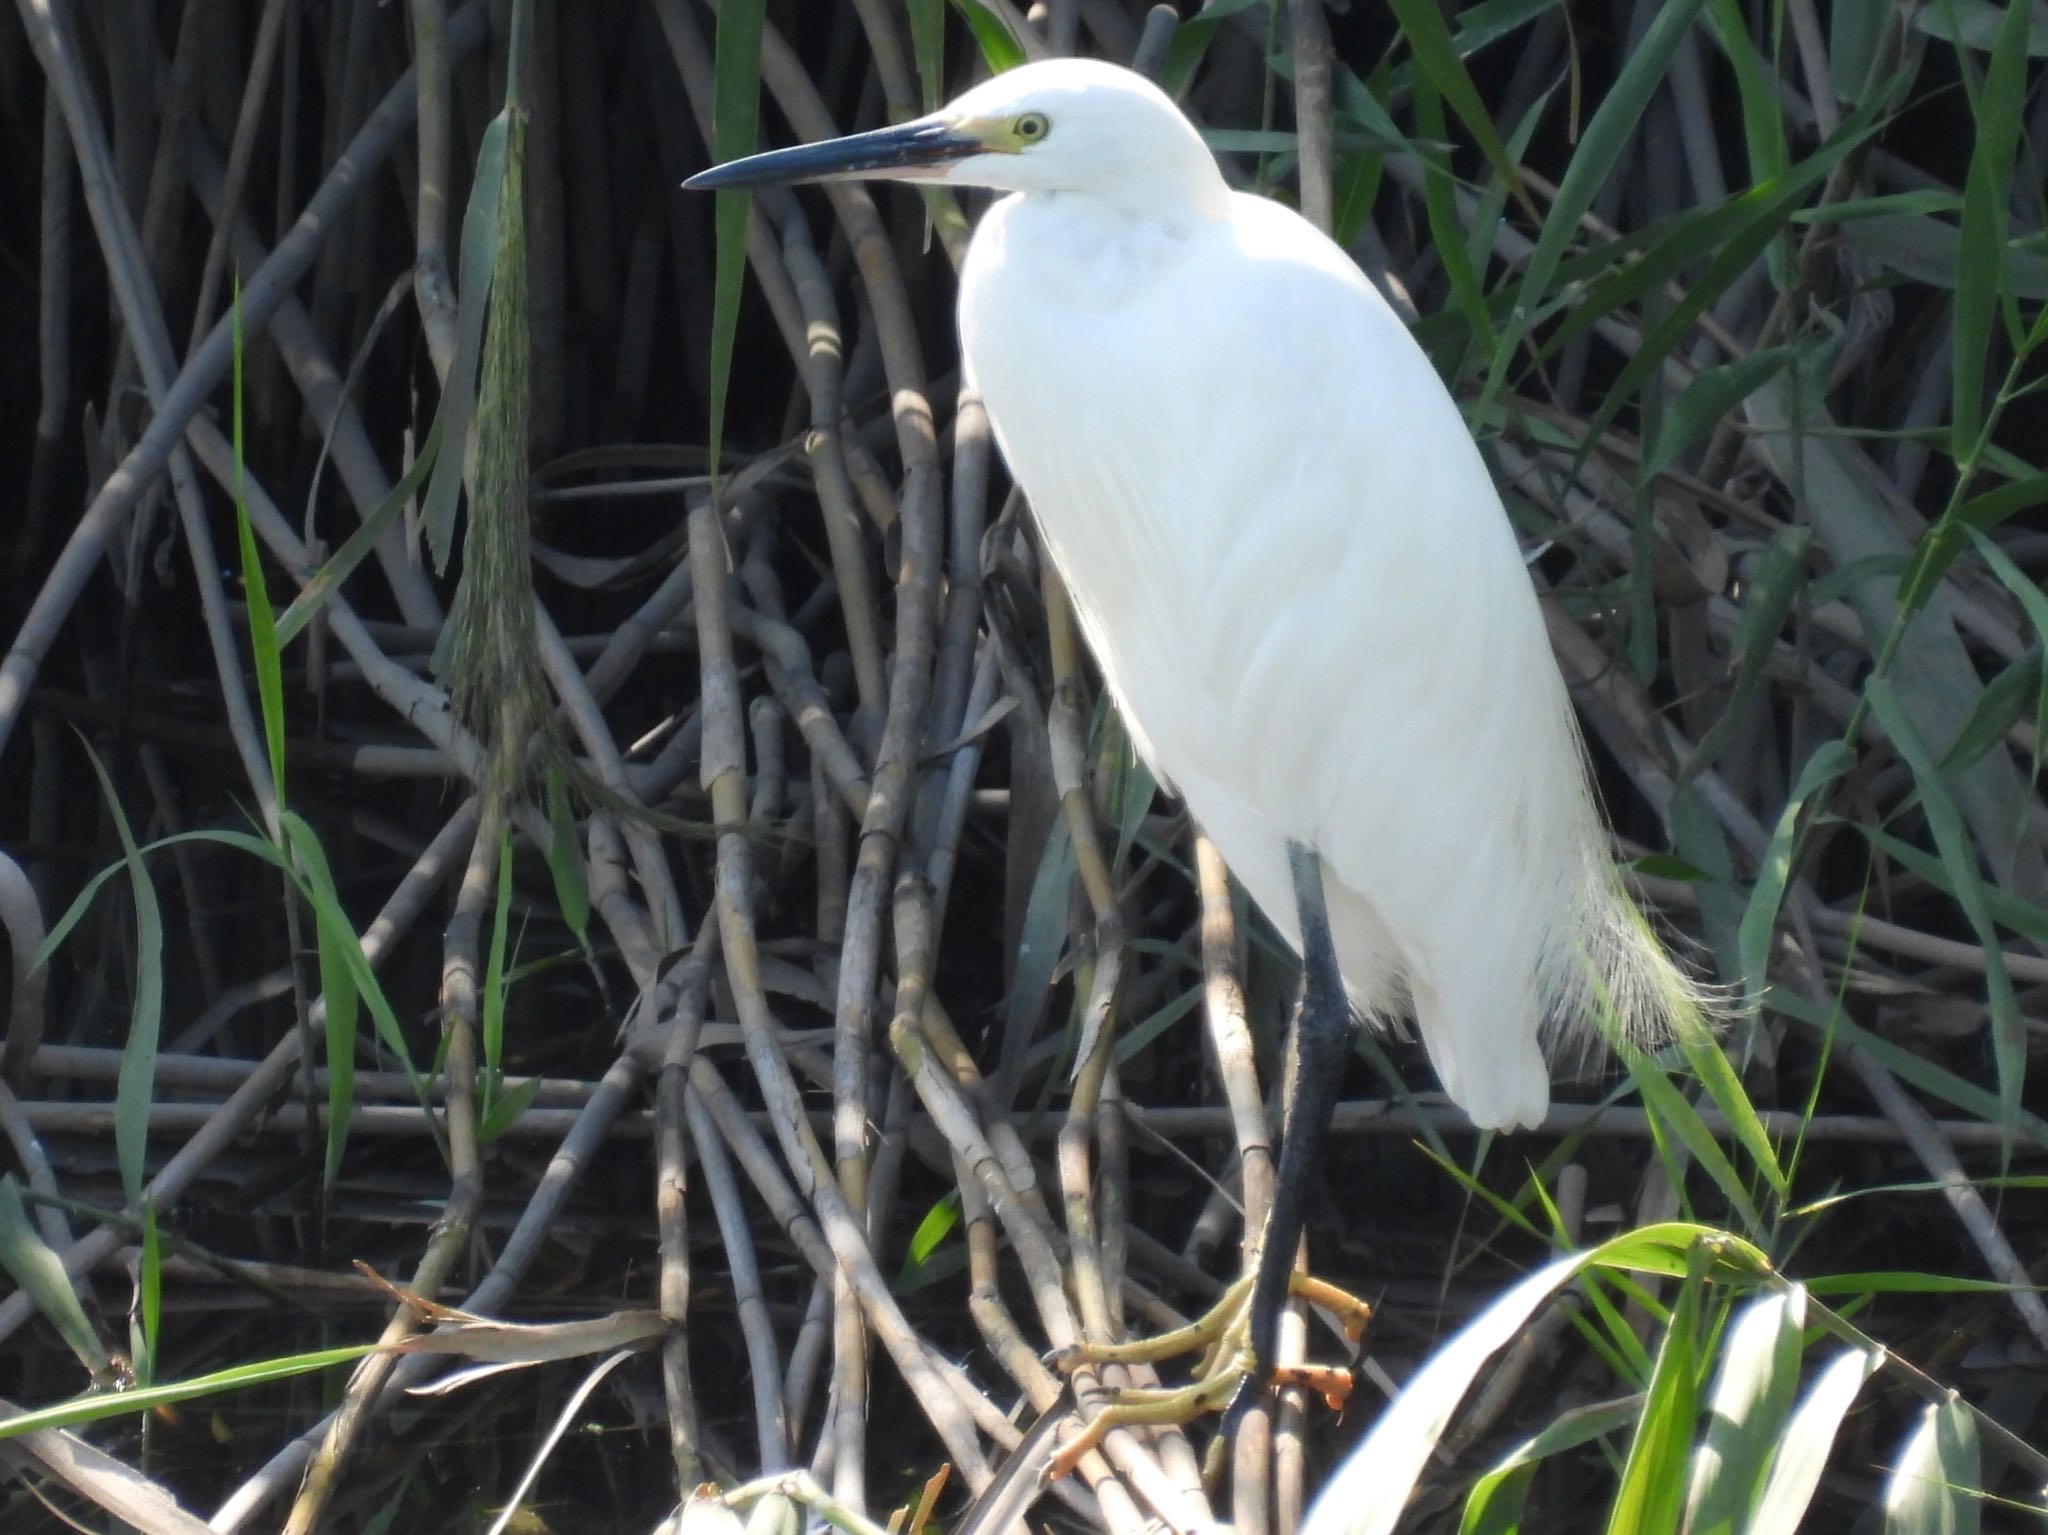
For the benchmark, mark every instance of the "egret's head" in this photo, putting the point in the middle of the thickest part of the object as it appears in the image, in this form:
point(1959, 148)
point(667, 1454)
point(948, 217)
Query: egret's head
point(1064, 125)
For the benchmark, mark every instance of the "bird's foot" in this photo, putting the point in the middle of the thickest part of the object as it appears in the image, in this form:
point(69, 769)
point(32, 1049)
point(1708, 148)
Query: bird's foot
point(1227, 1376)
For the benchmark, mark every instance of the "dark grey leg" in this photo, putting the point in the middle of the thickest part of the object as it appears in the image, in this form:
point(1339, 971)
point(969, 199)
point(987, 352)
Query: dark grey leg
point(1315, 1061)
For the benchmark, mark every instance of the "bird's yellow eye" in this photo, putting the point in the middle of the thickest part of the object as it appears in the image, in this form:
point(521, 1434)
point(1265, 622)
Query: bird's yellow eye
point(1030, 127)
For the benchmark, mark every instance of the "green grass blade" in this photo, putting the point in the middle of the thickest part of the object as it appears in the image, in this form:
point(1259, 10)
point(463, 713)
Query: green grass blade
point(2016, 689)
point(1509, 1214)
point(1858, 211)
point(2009, 911)
point(1486, 222)
point(927, 20)
point(565, 858)
point(1674, 1112)
point(1943, 543)
point(1042, 940)
point(1767, 599)
point(1770, 212)
point(1902, 1282)
point(1987, 192)
point(1703, 1054)
point(1614, 124)
point(1651, 1496)
point(1437, 62)
point(1958, 857)
point(1854, 27)
point(506, 1107)
point(1935, 1489)
point(1614, 274)
point(338, 986)
point(458, 390)
point(493, 1008)
point(735, 128)
point(2035, 1182)
point(1914, 1069)
point(1491, 20)
point(92, 1409)
point(149, 1299)
point(1369, 1492)
point(1357, 184)
point(1494, 1505)
point(1612, 1335)
point(317, 885)
point(999, 50)
point(358, 545)
point(39, 1274)
point(336, 936)
point(1992, 507)
point(1930, 250)
point(1974, 24)
point(1134, 1038)
point(2034, 603)
point(1707, 401)
point(1666, 1248)
point(82, 902)
point(1446, 232)
point(1708, 251)
point(1754, 1385)
point(1763, 116)
point(333, 939)
point(263, 638)
point(1808, 1437)
point(1830, 761)
point(1359, 110)
point(1127, 790)
point(135, 1090)
point(940, 1220)
point(1701, 856)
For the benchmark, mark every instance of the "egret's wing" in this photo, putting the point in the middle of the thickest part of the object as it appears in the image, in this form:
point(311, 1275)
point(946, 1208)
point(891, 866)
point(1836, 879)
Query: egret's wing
point(1294, 569)
point(1371, 636)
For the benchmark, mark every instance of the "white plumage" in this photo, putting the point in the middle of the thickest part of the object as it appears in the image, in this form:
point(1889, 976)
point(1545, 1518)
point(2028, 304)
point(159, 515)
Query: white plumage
point(1293, 567)
point(1290, 561)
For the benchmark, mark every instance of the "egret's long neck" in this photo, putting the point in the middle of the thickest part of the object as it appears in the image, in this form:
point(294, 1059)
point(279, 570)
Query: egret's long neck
point(1183, 184)
point(1082, 252)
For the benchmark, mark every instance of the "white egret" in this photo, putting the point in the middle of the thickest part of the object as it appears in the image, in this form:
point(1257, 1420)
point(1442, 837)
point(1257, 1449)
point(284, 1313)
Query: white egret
point(1298, 579)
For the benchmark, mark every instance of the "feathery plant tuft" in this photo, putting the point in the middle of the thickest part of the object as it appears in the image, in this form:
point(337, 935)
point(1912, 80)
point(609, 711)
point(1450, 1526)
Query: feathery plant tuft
point(495, 677)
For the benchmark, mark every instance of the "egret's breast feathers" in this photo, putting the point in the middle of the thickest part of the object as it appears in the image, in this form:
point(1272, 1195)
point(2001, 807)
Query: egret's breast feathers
point(1253, 561)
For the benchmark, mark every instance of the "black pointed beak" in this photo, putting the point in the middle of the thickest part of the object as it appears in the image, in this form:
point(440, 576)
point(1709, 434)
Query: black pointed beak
point(911, 151)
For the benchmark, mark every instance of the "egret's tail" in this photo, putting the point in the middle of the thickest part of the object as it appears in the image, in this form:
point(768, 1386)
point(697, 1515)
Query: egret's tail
point(1623, 985)
point(1581, 968)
